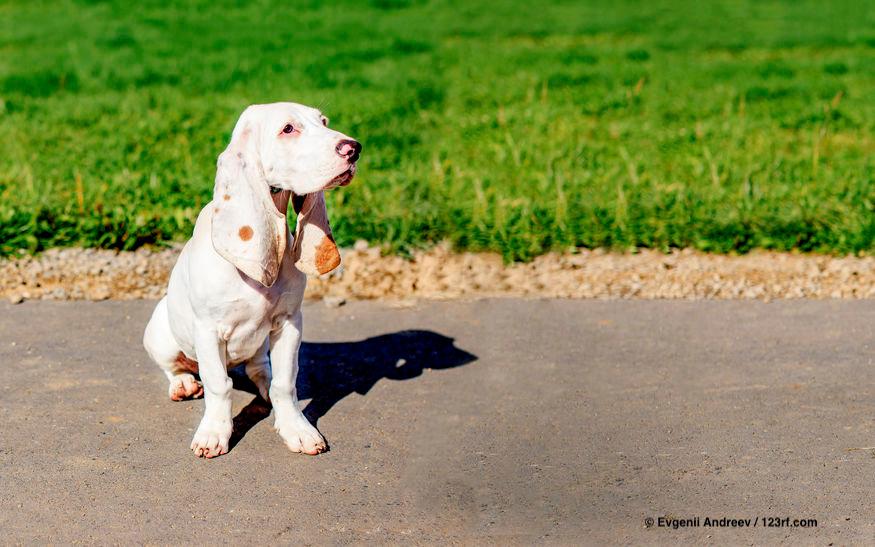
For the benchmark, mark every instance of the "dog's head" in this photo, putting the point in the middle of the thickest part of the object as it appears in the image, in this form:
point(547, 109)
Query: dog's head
point(278, 152)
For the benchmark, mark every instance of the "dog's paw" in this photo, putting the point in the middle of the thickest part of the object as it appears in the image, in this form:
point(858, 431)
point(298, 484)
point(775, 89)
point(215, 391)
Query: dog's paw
point(211, 438)
point(300, 436)
point(185, 386)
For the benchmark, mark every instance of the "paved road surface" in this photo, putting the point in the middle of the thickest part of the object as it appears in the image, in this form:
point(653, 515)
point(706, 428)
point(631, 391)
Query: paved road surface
point(502, 422)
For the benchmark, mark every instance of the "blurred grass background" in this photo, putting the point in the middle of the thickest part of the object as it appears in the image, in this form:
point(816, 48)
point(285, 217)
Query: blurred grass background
point(503, 125)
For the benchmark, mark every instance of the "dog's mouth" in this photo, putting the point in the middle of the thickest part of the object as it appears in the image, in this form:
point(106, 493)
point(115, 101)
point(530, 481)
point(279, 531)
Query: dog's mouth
point(281, 197)
point(343, 179)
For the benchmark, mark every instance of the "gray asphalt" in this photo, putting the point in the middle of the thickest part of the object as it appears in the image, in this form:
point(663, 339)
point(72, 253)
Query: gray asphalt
point(499, 421)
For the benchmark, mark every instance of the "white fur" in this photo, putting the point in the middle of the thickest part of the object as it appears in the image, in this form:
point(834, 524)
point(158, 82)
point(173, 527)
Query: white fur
point(237, 287)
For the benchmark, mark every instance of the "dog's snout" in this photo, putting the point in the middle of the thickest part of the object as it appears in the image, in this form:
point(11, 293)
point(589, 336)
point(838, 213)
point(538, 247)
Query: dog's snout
point(349, 149)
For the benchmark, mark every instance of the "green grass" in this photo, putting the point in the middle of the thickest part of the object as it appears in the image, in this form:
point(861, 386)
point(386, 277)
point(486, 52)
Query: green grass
point(500, 125)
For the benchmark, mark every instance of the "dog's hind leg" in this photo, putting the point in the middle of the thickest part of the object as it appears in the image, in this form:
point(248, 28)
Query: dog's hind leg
point(258, 370)
point(163, 349)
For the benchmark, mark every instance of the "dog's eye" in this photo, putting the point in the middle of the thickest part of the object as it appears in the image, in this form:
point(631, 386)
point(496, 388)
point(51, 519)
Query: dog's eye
point(324, 121)
point(289, 128)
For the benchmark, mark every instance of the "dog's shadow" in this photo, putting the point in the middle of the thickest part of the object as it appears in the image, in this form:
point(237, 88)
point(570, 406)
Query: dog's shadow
point(329, 371)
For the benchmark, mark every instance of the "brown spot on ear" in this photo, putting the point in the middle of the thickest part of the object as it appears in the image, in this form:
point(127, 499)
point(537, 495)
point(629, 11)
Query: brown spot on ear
point(245, 233)
point(226, 197)
point(327, 255)
point(298, 203)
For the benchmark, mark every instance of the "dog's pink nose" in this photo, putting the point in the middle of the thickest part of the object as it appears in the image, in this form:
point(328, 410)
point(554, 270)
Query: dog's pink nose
point(349, 149)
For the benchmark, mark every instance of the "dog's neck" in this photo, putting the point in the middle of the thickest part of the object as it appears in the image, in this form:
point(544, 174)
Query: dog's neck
point(280, 199)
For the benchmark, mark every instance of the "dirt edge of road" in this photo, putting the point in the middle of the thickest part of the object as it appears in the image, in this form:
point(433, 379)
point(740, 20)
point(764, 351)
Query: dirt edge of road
point(439, 273)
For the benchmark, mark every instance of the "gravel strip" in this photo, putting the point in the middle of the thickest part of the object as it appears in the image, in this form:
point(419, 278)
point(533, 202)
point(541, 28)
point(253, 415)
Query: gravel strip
point(93, 274)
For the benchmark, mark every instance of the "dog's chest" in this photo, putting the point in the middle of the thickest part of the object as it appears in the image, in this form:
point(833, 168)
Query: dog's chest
point(245, 326)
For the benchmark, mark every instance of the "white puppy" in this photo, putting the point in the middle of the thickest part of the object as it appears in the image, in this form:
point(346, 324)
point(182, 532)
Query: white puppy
point(235, 292)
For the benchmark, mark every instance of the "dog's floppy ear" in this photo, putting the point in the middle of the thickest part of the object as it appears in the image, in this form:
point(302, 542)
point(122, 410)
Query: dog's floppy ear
point(314, 250)
point(247, 229)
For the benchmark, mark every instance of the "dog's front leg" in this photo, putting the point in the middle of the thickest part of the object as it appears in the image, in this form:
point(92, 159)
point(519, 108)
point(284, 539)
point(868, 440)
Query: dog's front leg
point(293, 427)
point(213, 433)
